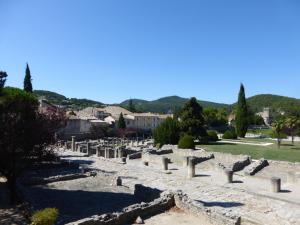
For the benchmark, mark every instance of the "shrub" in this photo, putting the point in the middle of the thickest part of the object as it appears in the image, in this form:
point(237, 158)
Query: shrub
point(167, 132)
point(212, 135)
point(229, 134)
point(45, 216)
point(186, 142)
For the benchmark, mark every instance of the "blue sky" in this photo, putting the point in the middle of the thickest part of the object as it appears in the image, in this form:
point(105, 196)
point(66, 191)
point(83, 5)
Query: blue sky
point(110, 50)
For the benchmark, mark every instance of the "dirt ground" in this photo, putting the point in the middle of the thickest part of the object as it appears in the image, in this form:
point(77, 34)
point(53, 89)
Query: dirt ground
point(174, 216)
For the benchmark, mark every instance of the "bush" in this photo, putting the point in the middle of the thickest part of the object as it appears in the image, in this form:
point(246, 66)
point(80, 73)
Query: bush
point(229, 134)
point(212, 135)
point(186, 142)
point(45, 216)
point(167, 132)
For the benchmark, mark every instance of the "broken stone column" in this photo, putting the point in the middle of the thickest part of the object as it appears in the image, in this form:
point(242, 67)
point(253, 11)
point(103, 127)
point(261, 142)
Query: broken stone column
point(120, 152)
point(73, 143)
point(191, 167)
point(229, 175)
point(119, 181)
point(275, 184)
point(165, 162)
point(106, 153)
point(185, 161)
point(88, 148)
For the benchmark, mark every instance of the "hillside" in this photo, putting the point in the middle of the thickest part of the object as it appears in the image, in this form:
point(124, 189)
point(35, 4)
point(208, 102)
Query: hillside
point(59, 99)
point(166, 104)
point(275, 102)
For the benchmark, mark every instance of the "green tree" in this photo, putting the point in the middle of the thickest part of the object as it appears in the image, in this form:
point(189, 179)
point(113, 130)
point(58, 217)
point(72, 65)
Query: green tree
point(278, 128)
point(292, 123)
point(27, 80)
point(3, 76)
point(25, 134)
point(167, 132)
point(192, 120)
point(241, 118)
point(121, 122)
point(131, 106)
point(215, 117)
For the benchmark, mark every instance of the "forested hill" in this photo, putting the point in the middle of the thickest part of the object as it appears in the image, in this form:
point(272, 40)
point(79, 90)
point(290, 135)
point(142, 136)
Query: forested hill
point(171, 103)
point(166, 104)
point(58, 99)
point(275, 102)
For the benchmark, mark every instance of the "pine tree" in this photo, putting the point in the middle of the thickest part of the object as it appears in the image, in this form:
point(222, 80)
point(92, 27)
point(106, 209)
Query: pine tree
point(192, 120)
point(27, 80)
point(121, 122)
point(241, 118)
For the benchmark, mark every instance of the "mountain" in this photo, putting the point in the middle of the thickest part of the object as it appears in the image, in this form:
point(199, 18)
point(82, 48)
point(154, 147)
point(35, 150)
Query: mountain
point(58, 99)
point(275, 102)
point(166, 104)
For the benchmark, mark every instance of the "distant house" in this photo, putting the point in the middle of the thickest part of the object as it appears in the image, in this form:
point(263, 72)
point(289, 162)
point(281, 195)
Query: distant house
point(145, 121)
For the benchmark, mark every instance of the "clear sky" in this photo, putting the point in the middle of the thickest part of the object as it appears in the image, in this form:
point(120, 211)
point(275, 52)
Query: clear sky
point(110, 50)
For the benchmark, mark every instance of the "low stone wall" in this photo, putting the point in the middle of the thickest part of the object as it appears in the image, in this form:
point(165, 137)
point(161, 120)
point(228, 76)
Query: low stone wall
point(255, 167)
point(236, 166)
point(39, 180)
point(136, 155)
point(130, 213)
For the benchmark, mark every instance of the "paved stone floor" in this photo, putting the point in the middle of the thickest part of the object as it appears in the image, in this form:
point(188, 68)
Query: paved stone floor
point(245, 197)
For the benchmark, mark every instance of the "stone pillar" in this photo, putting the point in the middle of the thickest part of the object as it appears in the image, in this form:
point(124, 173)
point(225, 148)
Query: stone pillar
point(88, 148)
point(229, 175)
point(275, 184)
point(191, 167)
point(185, 161)
point(123, 160)
point(120, 152)
point(165, 162)
point(73, 143)
point(119, 181)
point(116, 153)
point(66, 145)
point(106, 153)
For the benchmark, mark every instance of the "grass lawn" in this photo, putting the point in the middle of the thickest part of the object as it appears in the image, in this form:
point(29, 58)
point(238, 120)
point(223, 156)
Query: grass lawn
point(287, 151)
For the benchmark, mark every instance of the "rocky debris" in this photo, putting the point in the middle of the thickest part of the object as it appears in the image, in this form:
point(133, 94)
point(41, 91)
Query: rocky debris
point(255, 167)
point(139, 220)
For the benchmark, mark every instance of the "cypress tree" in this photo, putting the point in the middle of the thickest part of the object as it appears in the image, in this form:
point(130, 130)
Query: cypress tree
point(121, 122)
point(27, 80)
point(241, 114)
point(3, 76)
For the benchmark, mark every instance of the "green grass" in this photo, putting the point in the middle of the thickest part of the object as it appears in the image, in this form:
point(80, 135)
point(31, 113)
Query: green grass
point(287, 151)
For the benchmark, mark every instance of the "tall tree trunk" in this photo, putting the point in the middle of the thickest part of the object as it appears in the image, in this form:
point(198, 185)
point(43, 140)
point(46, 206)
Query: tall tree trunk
point(12, 188)
point(292, 139)
point(278, 142)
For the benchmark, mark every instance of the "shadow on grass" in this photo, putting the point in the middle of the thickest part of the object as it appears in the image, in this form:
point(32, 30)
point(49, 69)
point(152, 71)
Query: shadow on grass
point(216, 143)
